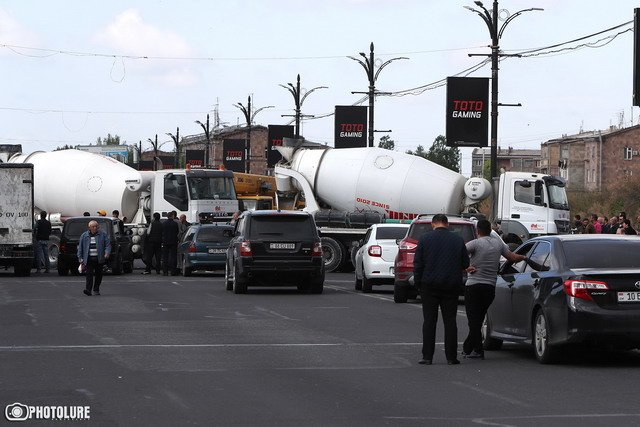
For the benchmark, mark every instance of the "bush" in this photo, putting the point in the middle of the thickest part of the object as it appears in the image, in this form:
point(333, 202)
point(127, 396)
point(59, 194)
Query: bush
point(624, 195)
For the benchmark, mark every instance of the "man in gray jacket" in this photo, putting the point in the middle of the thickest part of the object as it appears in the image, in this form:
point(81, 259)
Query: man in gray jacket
point(94, 249)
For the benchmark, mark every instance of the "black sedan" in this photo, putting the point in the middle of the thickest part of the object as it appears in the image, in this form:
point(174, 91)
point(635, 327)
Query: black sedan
point(572, 289)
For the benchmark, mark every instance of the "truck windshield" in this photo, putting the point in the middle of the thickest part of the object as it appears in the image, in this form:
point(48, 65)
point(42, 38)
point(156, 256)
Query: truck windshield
point(211, 187)
point(557, 196)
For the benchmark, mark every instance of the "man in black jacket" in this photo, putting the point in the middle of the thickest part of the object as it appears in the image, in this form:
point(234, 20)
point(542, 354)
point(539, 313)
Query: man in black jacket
point(43, 232)
point(170, 232)
point(440, 259)
point(153, 244)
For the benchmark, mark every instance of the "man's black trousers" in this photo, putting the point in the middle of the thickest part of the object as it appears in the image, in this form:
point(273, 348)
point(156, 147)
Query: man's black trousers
point(447, 301)
point(477, 299)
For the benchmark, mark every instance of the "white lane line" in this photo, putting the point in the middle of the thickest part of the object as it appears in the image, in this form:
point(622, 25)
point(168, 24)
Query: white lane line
point(492, 394)
point(176, 283)
point(274, 313)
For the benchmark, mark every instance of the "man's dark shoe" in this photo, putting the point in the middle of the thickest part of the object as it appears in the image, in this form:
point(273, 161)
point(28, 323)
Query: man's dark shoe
point(453, 362)
point(425, 362)
point(96, 292)
point(87, 293)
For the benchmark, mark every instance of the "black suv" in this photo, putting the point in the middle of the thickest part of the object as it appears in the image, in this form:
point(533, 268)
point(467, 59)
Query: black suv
point(275, 248)
point(121, 258)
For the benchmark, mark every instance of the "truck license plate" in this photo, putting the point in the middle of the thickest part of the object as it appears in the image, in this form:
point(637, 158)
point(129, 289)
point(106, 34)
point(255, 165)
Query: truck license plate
point(282, 246)
point(628, 296)
point(217, 251)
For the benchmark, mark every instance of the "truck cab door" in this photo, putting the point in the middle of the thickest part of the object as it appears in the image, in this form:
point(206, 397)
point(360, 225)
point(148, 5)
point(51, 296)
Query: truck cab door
point(527, 205)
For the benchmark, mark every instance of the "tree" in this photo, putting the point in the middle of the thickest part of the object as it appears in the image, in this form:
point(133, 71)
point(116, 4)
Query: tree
point(64, 147)
point(419, 152)
point(387, 143)
point(439, 153)
point(486, 170)
point(109, 140)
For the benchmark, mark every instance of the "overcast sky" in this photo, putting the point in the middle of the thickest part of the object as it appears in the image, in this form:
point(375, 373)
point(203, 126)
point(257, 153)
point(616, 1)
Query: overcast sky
point(76, 70)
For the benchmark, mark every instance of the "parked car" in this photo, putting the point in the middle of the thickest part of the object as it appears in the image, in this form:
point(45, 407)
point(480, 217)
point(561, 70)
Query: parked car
point(574, 289)
point(275, 248)
point(377, 253)
point(204, 247)
point(403, 287)
point(121, 258)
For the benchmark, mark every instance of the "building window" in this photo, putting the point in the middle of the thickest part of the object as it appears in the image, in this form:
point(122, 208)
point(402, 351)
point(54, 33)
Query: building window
point(628, 153)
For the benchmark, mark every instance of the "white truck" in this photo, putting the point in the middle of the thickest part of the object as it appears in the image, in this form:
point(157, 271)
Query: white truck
point(16, 218)
point(399, 186)
point(71, 182)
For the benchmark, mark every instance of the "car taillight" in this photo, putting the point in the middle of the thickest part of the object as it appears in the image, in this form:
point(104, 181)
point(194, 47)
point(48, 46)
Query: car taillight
point(245, 249)
point(375, 250)
point(317, 249)
point(407, 244)
point(581, 288)
point(192, 248)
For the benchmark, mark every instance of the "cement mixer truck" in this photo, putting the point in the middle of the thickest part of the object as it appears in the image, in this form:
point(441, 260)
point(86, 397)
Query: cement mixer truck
point(70, 182)
point(364, 183)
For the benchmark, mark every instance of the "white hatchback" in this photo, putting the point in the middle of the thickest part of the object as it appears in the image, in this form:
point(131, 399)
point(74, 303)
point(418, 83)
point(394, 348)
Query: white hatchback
point(375, 258)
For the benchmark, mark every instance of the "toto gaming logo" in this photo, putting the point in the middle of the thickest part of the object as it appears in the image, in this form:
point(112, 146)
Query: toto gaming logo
point(637, 284)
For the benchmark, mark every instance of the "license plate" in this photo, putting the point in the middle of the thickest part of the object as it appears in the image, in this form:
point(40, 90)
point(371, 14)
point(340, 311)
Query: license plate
point(217, 251)
point(282, 246)
point(628, 296)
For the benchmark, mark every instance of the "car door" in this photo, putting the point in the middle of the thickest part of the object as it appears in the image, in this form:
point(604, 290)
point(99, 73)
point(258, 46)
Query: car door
point(232, 250)
point(500, 312)
point(527, 287)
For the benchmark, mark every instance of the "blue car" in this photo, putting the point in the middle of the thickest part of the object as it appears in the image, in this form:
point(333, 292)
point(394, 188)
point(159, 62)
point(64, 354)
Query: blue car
point(204, 247)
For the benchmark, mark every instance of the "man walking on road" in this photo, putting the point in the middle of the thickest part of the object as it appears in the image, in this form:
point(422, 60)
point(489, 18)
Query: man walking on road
point(440, 259)
point(480, 288)
point(43, 232)
point(94, 249)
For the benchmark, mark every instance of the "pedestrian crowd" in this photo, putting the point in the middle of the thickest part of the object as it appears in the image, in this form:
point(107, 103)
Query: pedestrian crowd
point(161, 245)
point(598, 224)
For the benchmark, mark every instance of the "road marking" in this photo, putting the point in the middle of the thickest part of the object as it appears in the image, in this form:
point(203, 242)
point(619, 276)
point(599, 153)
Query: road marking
point(176, 283)
point(274, 313)
point(492, 394)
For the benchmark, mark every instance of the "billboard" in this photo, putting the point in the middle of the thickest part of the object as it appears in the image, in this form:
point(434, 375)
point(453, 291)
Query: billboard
point(467, 111)
point(233, 155)
point(276, 134)
point(350, 126)
point(194, 158)
point(118, 152)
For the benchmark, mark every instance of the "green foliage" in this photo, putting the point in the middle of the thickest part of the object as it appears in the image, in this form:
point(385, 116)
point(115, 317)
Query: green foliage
point(486, 170)
point(439, 153)
point(624, 195)
point(387, 143)
point(109, 140)
point(64, 147)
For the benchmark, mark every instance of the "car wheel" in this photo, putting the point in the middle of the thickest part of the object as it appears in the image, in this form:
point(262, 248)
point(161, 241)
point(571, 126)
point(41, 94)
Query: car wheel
point(239, 285)
point(400, 294)
point(544, 352)
point(54, 251)
point(228, 283)
point(367, 286)
point(317, 286)
point(186, 271)
point(332, 254)
point(488, 342)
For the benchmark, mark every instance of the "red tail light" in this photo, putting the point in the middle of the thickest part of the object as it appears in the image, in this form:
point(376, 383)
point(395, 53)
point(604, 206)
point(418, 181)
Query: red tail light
point(317, 249)
point(407, 244)
point(245, 249)
point(192, 247)
point(581, 288)
point(375, 251)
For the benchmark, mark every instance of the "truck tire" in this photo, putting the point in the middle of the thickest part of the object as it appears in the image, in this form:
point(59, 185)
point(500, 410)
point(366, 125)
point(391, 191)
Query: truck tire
point(54, 251)
point(333, 254)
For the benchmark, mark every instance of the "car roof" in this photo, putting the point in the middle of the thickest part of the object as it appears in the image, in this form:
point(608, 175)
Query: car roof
point(274, 212)
point(587, 237)
point(91, 218)
point(391, 224)
point(453, 219)
point(202, 226)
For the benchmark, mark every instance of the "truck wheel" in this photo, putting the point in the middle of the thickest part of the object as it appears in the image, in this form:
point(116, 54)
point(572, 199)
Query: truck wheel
point(333, 254)
point(54, 251)
point(366, 284)
point(354, 251)
point(400, 294)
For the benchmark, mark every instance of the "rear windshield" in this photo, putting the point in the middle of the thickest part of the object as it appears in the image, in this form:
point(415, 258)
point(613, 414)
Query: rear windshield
point(463, 230)
point(609, 254)
point(212, 235)
point(391, 233)
point(73, 229)
point(288, 226)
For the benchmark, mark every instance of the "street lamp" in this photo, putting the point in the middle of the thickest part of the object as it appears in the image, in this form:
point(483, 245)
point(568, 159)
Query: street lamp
point(491, 19)
point(369, 67)
point(295, 92)
point(207, 135)
point(249, 116)
point(176, 142)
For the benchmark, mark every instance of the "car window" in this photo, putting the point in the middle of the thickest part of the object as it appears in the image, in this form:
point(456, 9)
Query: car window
point(391, 233)
point(539, 259)
point(602, 253)
point(189, 236)
point(212, 235)
point(366, 237)
point(466, 231)
point(290, 226)
point(515, 268)
point(73, 229)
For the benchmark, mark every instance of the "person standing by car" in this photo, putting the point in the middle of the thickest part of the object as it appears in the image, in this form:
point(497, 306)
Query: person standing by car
point(440, 259)
point(480, 288)
point(169, 245)
point(153, 245)
point(94, 248)
point(43, 232)
point(183, 226)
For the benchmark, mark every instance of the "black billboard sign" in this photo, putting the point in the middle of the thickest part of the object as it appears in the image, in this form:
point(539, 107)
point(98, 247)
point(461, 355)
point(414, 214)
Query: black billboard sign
point(276, 134)
point(195, 158)
point(233, 155)
point(350, 126)
point(467, 111)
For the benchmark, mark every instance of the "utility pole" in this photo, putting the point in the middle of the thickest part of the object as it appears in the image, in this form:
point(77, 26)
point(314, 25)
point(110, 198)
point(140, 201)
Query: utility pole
point(176, 142)
point(155, 151)
point(295, 92)
point(491, 19)
point(249, 116)
point(372, 75)
point(207, 135)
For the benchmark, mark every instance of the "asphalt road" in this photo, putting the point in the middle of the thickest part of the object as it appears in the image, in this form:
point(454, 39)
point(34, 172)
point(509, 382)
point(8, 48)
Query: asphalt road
point(154, 350)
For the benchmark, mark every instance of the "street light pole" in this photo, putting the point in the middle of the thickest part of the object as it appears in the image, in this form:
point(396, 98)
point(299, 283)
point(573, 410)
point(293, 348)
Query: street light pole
point(155, 151)
point(372, 75)
point(207, 135)
point(176, 142)
point(491, 19)
point(249, 116)
point(295, 92)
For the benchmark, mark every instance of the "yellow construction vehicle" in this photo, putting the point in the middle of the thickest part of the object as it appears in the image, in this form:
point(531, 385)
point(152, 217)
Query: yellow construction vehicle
point(257, 192)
